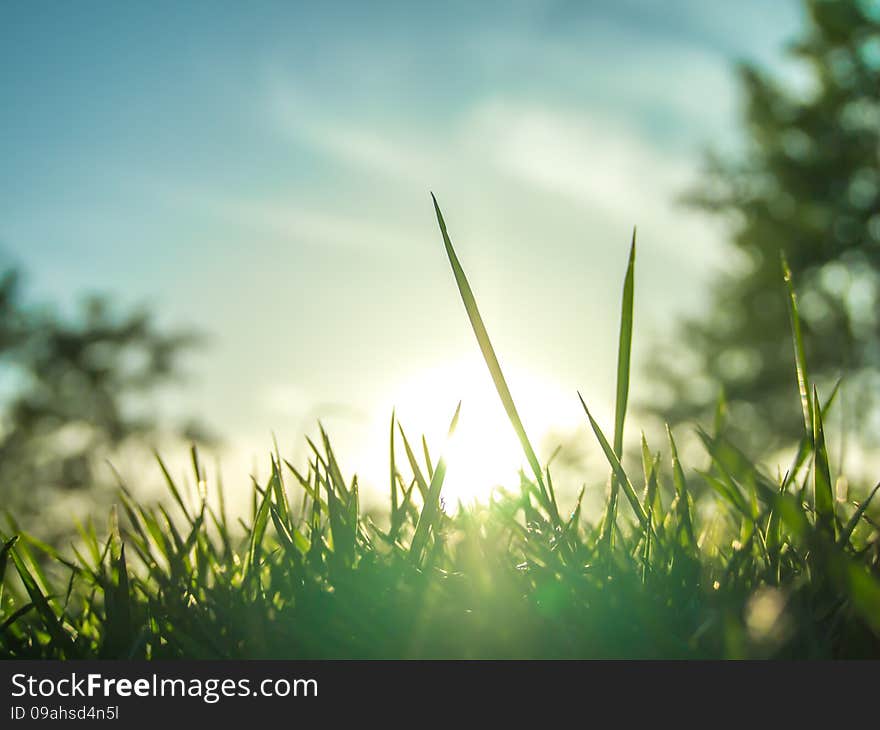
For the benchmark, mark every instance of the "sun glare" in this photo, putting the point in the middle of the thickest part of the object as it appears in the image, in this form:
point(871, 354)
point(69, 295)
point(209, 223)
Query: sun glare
point(484, 452)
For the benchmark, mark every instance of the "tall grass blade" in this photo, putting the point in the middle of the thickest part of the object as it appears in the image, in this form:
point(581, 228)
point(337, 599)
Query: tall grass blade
point(686, 523)
point(50, 620)
point(258, 530)
point(117, 598)
point(431, 508)
point(799, 353)
point(15, 615)
point(823, 489)
point(393, 468)
point(470, 305)
point(428, 463)
point(624, 350)
point(421, 482)
point(4, 555)
point(805, 446)
point(850, 527)
point(622, 478)
point(175, 492)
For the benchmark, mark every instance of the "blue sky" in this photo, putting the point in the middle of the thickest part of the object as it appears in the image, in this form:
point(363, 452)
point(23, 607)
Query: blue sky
point(262, 172)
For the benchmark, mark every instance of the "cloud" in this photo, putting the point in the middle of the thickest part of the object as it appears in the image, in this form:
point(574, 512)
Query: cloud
point(301, 119)
point(282, 216)
point(502, 149)
point(579, 156)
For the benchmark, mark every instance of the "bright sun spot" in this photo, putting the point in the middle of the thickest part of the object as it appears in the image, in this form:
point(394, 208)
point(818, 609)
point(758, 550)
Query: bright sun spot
point(484, 452)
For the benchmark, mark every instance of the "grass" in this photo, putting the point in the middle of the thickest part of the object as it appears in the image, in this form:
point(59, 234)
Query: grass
point(767, 567)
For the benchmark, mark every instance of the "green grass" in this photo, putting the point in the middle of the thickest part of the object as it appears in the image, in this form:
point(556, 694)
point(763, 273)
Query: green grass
point(769, 566)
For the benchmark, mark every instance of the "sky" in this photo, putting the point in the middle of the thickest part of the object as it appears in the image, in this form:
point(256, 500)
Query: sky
point(262, 172)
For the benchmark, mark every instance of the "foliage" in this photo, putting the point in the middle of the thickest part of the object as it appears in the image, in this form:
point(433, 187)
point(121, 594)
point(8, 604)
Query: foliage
point(807, 182)
point(771, 567)
point(73, 380)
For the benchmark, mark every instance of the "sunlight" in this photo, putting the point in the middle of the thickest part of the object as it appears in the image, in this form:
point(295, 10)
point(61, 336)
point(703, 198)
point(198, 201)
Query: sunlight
point(484, 452)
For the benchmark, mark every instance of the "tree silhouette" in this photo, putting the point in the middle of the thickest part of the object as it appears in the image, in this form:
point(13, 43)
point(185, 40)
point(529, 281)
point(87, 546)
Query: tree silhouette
point(69, 384)
point(806, 184)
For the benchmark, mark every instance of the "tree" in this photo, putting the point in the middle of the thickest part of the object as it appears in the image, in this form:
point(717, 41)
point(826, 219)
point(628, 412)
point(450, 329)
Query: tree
point(69, 387)
point(806, 184)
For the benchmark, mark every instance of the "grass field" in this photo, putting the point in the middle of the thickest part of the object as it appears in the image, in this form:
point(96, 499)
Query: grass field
point(778, 566)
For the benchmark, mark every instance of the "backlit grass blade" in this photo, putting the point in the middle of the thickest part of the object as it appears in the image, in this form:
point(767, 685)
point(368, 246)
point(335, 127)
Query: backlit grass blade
point(728, 491)
point(312, 490)
point(277, 485)
point(258, 530)
point(427, 453)
point(684, 508)
point(51, 622)
point(334, 471)
point(470, 305)
point(117, 599)
point(651, 470)
point(431, 508)
point(805, 446)
point(854, 520)
point(823, 493)
point(799, 354)
point(730, 460)
point(4, 555)
point(36, 567)
point(23, 611)
point(648, 465)
point(175, 492)
point(617, 467)
point(421, 482)
point(284, 535)
point(393, 469)
point(624, 350)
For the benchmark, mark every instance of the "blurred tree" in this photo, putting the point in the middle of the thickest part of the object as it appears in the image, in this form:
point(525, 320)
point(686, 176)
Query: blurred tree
point(68, 388)
point(807, 183)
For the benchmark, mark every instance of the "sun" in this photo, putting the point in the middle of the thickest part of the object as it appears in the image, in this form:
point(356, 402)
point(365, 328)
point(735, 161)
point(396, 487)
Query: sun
point(484, 453)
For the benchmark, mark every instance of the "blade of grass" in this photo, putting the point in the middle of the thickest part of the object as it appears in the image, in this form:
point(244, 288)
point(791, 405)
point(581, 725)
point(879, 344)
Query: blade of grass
point(805, 446)
point(175, 492)
point(117, 598)
point(310, 489)
point(393, 471)
point(470, 305)
point(334, 471)
point(431, 508)
point(730, 460)
point(15, 615)
point(4, 555)
point(623, 479)
point(624, 350)
point(681, 492)
point(428, 463)
point(50, 620)
point(255, 544)
point(853, 522)
point(799, 353)
point(421, 482)
point(823, 494)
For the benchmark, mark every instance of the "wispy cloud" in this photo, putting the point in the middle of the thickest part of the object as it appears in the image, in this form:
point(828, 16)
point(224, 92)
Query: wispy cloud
point(284, 217)
point(302, 119)
point(588, 160)
point(515, 146)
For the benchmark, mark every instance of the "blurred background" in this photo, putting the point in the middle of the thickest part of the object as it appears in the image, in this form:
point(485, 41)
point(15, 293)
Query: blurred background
point(216, 227)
